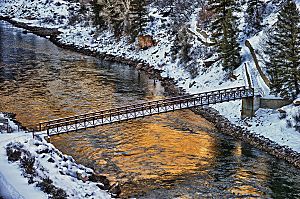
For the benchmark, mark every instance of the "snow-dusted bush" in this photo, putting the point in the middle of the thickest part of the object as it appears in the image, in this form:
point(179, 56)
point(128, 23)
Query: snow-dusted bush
point(293, 118)
point(13, 151)
point(16, 152)
point(46, 185)
point(296, 118)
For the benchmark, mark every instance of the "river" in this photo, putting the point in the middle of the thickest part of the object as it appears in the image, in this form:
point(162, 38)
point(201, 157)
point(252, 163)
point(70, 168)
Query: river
point(172, 155)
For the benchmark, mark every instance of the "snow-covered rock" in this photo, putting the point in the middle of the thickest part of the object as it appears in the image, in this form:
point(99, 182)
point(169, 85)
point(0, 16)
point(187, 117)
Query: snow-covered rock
point(296, 102)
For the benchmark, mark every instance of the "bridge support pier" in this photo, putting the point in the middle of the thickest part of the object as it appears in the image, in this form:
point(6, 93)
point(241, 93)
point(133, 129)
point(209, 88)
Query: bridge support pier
point(249, 106)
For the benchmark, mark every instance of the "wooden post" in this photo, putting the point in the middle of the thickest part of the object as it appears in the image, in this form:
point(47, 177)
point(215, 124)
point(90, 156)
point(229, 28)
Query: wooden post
point(118, 115)
point(7, 126)
point(110, 115)
point(76, 124)
point(134, 110)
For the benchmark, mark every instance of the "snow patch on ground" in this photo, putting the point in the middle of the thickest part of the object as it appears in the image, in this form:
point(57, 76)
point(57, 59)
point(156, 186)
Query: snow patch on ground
point(266, 122)
point(13, 184)
point(49, 162)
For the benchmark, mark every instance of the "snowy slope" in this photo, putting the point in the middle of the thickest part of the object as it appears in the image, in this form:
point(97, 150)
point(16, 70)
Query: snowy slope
point(83, 34)
point(12, 184)
point(49, 162)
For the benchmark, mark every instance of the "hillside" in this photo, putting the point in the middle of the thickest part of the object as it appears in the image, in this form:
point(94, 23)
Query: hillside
point(175, 39)
point(181, 49)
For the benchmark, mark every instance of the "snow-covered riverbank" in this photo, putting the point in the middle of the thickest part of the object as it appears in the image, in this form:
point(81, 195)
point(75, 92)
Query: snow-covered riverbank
point(84, 35)
point(53, 174)
point(40, 13)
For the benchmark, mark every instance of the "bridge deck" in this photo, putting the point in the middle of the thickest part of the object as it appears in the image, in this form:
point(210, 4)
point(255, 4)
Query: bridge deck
point(77, 122)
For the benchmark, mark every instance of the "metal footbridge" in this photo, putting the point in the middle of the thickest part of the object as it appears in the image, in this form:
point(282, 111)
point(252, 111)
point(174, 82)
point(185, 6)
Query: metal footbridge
point(102, 117)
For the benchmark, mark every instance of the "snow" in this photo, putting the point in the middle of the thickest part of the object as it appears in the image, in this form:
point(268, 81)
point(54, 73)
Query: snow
point(13, 185)
point(63, 171)
point(266, 122)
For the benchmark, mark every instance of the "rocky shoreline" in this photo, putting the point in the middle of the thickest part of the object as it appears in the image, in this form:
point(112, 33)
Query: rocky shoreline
point(256, 140)
point(212, 115)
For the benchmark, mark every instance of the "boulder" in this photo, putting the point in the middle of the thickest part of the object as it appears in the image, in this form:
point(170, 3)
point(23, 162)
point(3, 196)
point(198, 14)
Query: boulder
point(139, 66)
point(115, 189)
point(81, 175)
point(100, 178)
point(296, 102)
point(282, 113)
point(146, 41)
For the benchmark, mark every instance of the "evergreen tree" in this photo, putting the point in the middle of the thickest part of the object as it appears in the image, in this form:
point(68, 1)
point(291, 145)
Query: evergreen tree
point(253, 16)
point(138, 17)
point(229, 46)
point(284, 52)
point(115, 16)
point(97, 9)
point(225, 33)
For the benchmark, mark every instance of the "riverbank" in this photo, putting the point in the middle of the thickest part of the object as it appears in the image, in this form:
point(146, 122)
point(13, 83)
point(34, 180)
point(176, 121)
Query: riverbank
point(271, 135)
point(222, 123)
point(45, 171)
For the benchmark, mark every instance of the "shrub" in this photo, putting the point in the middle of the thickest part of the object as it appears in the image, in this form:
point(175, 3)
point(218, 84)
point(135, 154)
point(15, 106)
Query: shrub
point(296, 118)
point(46, 185)
point(14, 151)
point(13, 155)
point(27, 163)
point(59, 194)
point(54, 192)
point(288, 124)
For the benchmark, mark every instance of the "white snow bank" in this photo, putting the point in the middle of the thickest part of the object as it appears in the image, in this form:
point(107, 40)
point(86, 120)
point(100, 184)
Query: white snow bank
point(49, 162)
point(266, 123)
point(13, 184)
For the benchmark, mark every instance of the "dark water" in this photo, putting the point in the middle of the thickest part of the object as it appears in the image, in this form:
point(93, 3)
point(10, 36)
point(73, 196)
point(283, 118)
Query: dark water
point(174, 155)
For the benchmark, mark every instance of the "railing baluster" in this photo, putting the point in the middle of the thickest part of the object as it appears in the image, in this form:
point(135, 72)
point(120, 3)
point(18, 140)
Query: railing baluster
point(134, 110)
point(166, 105)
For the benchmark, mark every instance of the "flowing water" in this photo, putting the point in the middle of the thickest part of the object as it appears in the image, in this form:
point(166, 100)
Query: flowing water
point(173, 155)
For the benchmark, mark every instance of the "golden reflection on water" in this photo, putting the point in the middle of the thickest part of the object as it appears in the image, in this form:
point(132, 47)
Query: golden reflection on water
point(153, 148)
point(243, 176)
point(80, 88)
point(41, 82)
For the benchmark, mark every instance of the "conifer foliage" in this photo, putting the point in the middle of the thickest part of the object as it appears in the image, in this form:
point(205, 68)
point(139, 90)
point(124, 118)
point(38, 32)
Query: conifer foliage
point(284, 52)
point(122, 16)
point(254, 16)
point(225, 33)
point(139, 16)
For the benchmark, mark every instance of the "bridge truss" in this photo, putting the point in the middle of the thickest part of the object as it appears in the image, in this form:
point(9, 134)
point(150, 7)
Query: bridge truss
point(102, 117)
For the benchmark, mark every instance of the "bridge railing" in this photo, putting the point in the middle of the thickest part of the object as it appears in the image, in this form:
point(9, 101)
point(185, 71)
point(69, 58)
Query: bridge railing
point(204, 98)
